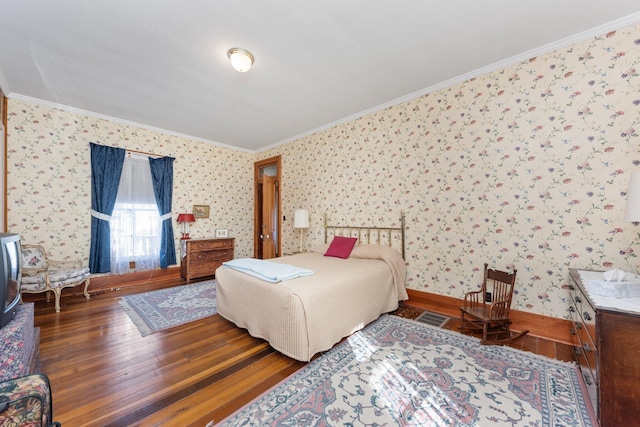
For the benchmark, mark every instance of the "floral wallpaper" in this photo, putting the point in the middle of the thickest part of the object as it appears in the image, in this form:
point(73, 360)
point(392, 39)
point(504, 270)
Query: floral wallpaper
point(49, 178)
point(524, 168)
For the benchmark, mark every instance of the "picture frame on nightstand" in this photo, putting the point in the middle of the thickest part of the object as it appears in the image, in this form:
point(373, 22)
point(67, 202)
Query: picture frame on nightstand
point(222, 233)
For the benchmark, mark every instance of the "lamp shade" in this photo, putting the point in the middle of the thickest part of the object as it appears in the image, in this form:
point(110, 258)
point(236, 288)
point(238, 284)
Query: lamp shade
point(632, 213)
point(186, 217)
point(301, 218)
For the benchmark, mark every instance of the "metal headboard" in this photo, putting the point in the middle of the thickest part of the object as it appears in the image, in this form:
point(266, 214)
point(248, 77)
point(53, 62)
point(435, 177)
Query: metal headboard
point(368, 235)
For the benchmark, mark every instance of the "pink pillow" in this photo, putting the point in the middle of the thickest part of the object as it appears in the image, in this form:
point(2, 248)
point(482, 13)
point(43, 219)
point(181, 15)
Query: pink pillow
point(341, 247)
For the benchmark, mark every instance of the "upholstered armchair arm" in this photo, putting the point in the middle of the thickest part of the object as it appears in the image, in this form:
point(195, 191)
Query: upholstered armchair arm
point(29, 271)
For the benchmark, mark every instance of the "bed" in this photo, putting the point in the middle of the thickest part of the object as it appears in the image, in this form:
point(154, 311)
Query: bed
point(307, 315)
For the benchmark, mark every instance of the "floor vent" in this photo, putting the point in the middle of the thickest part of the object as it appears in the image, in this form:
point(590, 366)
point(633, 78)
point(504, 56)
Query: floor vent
point(433, 319)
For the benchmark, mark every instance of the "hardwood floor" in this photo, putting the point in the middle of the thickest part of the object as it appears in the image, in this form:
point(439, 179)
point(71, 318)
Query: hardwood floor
point(103, 373)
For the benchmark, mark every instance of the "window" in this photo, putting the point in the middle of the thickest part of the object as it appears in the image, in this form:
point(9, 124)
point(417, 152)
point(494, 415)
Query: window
point(135, 224)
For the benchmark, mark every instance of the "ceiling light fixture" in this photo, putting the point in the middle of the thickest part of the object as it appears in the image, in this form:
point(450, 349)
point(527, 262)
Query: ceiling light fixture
point(241, 59)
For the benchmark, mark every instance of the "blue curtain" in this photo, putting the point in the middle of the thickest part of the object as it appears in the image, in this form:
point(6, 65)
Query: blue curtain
point(162, 178)
point(106, 168)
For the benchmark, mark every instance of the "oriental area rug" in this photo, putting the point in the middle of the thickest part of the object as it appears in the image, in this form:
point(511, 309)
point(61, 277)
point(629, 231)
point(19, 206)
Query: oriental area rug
point(163, 309)
point(398, 372)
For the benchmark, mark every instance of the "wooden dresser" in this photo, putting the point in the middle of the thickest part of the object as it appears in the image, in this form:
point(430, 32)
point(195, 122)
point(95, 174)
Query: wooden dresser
point(201, 257)
point(607, 348)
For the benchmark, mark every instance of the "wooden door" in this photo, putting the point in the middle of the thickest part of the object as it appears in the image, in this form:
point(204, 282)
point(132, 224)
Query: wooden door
point(269, 217)
point(267, 211)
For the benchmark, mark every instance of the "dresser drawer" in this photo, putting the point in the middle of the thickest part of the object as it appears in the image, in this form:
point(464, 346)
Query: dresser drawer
point(584, 348)
point(202, 269)
point(588, 369)
point(207, 256)
point(588, 315)
point(589, 373)
point(582, 342)
point(207, 245)
point(583, 316)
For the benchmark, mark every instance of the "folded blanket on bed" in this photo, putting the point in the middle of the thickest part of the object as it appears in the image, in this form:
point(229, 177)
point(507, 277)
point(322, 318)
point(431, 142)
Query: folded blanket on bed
point(266, 270)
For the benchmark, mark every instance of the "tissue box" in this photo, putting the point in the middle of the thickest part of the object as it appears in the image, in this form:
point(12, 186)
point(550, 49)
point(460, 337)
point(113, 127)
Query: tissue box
point(614, 289)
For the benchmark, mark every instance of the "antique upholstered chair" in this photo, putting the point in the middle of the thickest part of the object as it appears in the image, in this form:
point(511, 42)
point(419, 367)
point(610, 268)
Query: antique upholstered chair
point(42, 274)
point(487, 310)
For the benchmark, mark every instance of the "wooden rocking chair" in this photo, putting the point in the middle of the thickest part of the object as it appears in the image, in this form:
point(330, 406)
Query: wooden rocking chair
point(488, 309)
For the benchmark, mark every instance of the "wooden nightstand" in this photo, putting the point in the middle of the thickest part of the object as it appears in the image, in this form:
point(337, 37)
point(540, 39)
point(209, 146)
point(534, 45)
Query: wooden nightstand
point(201, 257)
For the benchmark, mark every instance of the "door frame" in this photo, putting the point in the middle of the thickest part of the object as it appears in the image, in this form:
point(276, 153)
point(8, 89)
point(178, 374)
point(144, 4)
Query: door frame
point(257, 214)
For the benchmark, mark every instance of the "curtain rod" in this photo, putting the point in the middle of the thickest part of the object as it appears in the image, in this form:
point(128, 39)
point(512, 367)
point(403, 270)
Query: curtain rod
point(144, 152)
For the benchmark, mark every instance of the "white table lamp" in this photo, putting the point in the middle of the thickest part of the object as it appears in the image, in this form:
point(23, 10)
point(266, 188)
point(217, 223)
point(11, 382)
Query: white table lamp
point(301, 220)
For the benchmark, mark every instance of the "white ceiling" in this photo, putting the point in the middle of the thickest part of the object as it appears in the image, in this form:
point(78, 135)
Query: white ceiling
point(162, 64)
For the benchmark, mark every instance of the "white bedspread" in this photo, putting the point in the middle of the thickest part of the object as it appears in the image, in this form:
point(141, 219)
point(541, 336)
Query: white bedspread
point(303, 316)
point(273, 272)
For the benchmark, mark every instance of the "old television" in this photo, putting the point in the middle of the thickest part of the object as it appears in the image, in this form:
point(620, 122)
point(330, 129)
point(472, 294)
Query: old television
point(10, 275)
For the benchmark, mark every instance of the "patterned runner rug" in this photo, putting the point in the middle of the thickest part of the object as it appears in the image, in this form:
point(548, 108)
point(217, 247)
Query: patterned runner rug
point(163, 309)
point(401, 372)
